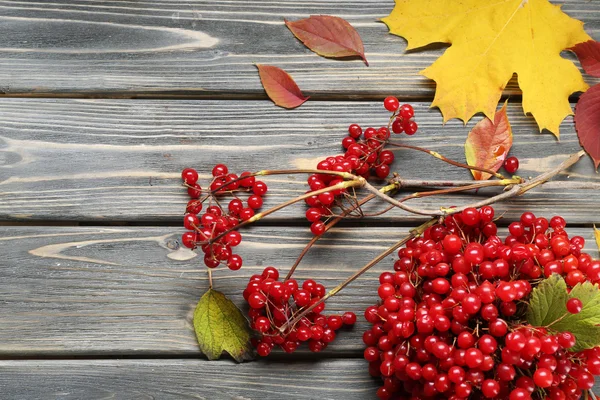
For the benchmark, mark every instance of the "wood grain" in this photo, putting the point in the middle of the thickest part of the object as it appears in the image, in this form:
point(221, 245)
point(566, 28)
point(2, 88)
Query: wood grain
point(183, 379)
point(120, 160)
point(70, 291)
point(206, 48)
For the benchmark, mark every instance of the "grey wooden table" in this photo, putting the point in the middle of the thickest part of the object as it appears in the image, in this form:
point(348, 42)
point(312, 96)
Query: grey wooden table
point(104, 102)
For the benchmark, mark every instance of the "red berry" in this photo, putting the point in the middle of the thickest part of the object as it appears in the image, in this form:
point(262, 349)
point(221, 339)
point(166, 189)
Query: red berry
point(574, 306)
point(259, 188)
point(354, 131)
point(407, 111)
point(189, 176)
point(195, 191)
point(219, 170)
point(391, 103)
point(410, 127)
point(511, 164)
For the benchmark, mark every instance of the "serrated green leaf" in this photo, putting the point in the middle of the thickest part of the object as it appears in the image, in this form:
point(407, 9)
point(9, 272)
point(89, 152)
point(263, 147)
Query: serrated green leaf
point(548, 301)
point(220, 326)
point(548, 308)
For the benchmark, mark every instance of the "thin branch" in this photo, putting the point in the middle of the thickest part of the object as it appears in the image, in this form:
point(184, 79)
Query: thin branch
point(472, 186)
point(359, 181)
point(515, 190)
point(445, 159)
point(328, 226)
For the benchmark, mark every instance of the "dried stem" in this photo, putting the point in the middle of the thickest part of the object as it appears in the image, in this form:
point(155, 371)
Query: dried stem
point(445, 159)
point(357, 182)
point(413, 233)
point(515, 190)
point(210, 283)
point(328, 226)
point(472, 186)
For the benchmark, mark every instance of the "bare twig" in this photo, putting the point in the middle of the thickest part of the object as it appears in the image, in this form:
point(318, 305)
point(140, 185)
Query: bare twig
point(513, 191)
point(445, 159)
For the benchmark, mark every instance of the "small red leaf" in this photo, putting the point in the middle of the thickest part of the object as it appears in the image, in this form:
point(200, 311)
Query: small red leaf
point(488, 144)
point(280, 87)
point(328, 36)
point(589, 56)
point(587, 122)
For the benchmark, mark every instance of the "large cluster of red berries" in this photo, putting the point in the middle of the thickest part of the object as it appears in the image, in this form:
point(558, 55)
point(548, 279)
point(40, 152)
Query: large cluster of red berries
point(274, 303)
point(451, 320)
point(365, 155)
point(216, 220)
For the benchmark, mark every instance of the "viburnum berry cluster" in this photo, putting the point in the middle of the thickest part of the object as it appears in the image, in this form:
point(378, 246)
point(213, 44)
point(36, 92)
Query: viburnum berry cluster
point(365, 155)
point(454, 318)
point(274, 303)
point(451, 320)
point(214, 230)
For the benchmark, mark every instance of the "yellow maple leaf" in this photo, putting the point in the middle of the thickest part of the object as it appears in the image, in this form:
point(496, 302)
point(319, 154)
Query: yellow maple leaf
point(491, 40)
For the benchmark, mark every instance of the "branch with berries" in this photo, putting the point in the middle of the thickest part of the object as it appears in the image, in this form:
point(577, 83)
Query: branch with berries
point(463, 314)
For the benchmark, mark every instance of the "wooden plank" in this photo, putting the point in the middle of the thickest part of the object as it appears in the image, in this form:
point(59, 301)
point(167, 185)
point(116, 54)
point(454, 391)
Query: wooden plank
point(114, 291)
point(120, 160)
point(184, 378)
point(176, 379)
point(206, 49)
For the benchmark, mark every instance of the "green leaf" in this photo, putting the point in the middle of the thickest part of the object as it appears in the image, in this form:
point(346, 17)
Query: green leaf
point(548, 308)
point(220, 326)
point(548, 301)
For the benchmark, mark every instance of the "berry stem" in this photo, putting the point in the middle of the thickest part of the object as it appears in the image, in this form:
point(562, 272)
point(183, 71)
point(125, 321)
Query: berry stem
point(328, 226)
point(267, 172)
point(331, 224)
point(472, 186)
point(413, 233)
point(445, 159)
point(513, 190)
point(210, 282)
point(356, 182)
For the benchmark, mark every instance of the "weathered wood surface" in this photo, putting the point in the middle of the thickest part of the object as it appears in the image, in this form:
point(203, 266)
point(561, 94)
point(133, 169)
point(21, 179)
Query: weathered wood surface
point(188, 378)
point(119, 160)
point(183, 379)
point(206, 48)
point(118, 291)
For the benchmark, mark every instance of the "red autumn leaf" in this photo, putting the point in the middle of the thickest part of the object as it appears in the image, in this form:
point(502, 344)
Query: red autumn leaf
point(589, 57)
point(280, 86)
point(488, 144)
point(587, 122)
point(328, 36)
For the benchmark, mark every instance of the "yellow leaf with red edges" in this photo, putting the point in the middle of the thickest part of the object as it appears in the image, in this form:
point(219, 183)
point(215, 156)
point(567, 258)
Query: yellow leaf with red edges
point(490, 41)
point(597, 237)
point(488, 144)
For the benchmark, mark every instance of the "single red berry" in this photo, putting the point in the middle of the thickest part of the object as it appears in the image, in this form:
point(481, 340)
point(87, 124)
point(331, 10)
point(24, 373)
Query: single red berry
point(574, 305)
point(410, 127)
point(255, 201)
point(234, 262)
point(354, 131)
point(317, 228)
point(189, 176)
point(398, 126)
point(191, 221)
point(194, 191)
point(219, 170)
point(188, 239)
point(407, 111)
point(391, 103)
point(511, 165)
point(248, 181)
point(259, 188)
point(349, 318)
